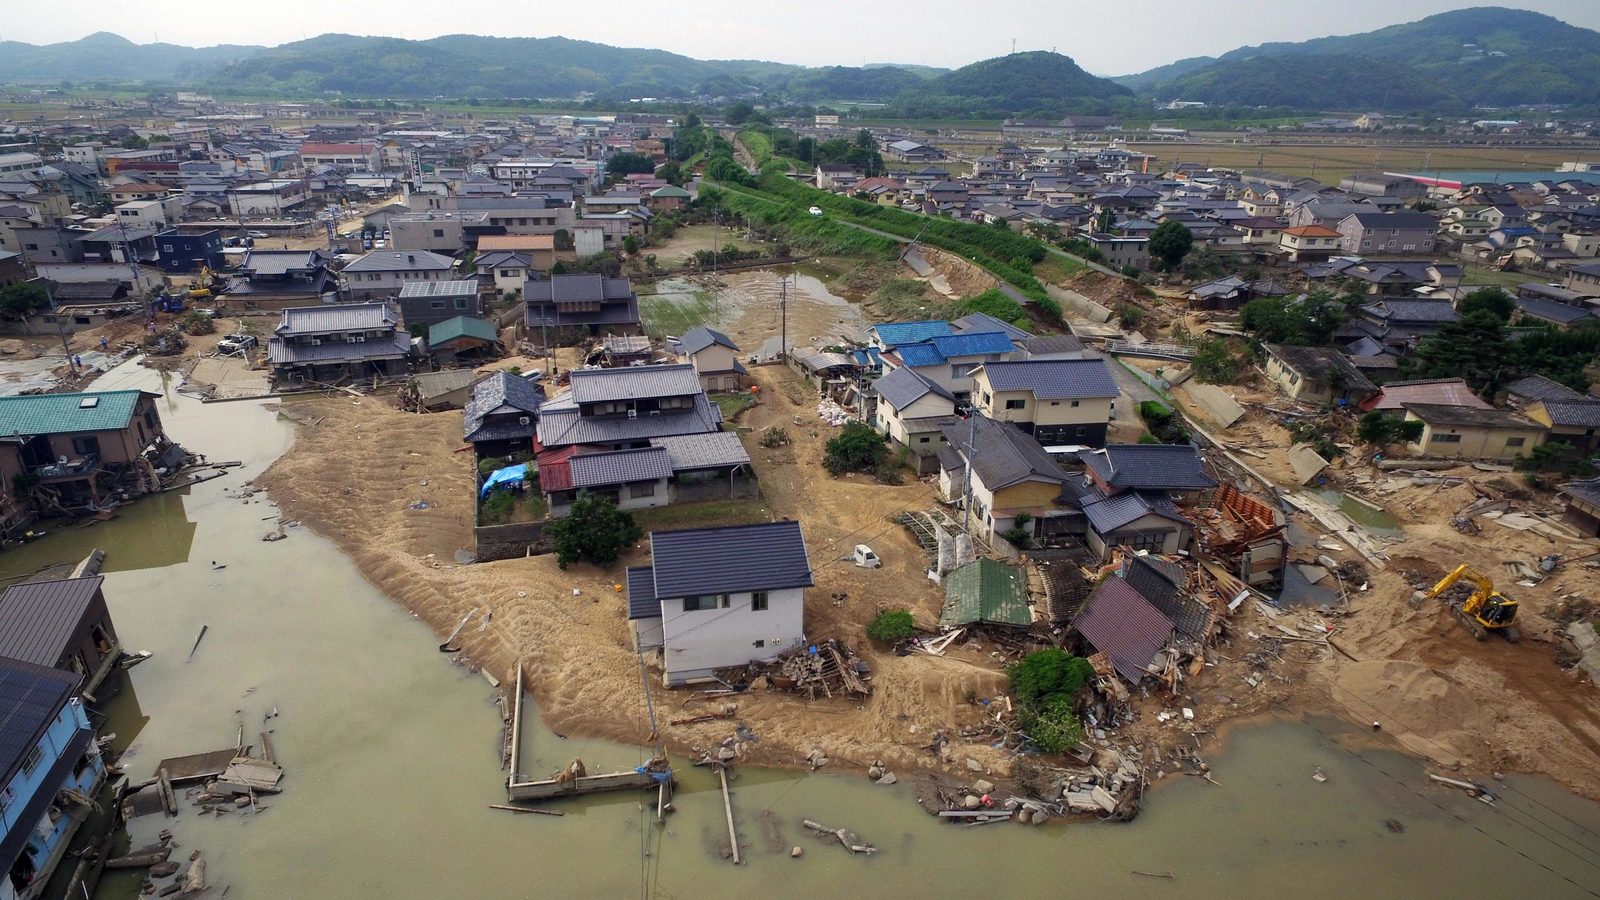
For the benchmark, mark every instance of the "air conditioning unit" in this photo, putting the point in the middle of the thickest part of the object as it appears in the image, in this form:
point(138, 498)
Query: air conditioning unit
point(524, 420)
point(316, 342)
point(633, 414)
point(359, 339)
point(655, 412)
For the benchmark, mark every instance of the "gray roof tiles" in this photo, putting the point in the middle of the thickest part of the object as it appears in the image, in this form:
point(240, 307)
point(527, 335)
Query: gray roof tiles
point(576, 289)
point(338, 317)
point(700, 337)
point(560, 424)
point(1580, 413)
point(1001, 455)
point(501, 392)
point(718, 449)
point(38, 618)
point(1054, 379)
point(1538, 387)
point(730, 559)
point(281, 352)
point(620, 467)
point(903, 387)
point(642, 602)
point(1153, 467)
point(402, 261)
point(1124, 626)
point(634, 383)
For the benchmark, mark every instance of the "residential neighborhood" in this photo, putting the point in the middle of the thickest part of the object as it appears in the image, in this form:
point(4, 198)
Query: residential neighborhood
point(725, 464)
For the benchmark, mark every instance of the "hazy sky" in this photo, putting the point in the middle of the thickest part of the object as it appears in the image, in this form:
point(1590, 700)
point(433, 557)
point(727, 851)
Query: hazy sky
point(1105, 38)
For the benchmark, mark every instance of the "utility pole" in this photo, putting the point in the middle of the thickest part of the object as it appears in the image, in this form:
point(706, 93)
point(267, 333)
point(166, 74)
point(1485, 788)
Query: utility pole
point(783, 314)
point(966, 489)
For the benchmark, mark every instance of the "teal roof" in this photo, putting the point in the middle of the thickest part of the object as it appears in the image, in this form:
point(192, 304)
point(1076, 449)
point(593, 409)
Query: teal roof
point(670, 191)
point(461, 326)
point(988, 592)
point(61, 413)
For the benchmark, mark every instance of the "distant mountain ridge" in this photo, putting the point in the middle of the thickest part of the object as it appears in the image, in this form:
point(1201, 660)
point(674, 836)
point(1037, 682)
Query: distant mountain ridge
point(1484, 56)
point(466, 66)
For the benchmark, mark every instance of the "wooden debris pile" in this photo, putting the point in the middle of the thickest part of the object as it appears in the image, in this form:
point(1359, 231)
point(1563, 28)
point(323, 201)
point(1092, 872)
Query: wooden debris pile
point(826, 668)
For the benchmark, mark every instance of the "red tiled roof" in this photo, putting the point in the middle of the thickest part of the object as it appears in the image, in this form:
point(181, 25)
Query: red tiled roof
point(555, 466)
point(342, 149)
point(1435, 391)
point(1312, 231)
point(1124, 626)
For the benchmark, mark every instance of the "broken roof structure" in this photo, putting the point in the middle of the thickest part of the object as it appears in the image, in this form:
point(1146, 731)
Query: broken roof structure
point(986, 592)
point(1123, 625)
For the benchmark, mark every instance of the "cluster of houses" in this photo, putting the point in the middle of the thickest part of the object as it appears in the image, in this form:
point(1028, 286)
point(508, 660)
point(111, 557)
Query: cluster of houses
point(58, 648)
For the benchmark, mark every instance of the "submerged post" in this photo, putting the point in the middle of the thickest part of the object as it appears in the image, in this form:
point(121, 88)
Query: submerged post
point(516, 728)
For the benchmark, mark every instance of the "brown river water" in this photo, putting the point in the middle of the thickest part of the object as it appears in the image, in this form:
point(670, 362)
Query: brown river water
point(393, 755)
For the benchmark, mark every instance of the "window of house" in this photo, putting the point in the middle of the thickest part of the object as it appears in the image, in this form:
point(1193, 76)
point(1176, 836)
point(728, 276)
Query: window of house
point(436, 304)
point(438, 232)
point(461, 303)
point(1447, 439)
point(84, 446)
point(31, 761)
point(922, 440)
point(642, 489)
point(758, 643)
point(758, 601)
point(725, 600)
point(1516, 441)
point(1016, 404)
point(699, 604)
point(987, 400)
point(1074, 404)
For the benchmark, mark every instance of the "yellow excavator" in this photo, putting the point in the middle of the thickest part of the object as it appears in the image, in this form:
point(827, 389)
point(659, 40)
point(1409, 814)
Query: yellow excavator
point(203, 284)
point(1485, 609)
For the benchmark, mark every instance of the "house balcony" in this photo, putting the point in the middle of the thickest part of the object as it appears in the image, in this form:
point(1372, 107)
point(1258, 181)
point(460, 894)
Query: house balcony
point(65, 469)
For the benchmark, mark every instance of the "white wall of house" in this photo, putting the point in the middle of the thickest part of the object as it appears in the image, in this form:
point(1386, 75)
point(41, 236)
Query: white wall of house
point(588, 241)
point(892, 422)
point(1476, 443)
point(1021, 406)
point(715, 358)
point(374, 283)
point(647, 634)
point(731, 633)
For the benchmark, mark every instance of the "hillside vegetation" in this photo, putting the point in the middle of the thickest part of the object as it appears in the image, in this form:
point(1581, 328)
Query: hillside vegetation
point(1488, 56)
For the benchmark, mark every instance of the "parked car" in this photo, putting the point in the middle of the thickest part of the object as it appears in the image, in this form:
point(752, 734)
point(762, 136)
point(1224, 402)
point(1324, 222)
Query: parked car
point(238, 342)
point(865, 558)
point(815, 210)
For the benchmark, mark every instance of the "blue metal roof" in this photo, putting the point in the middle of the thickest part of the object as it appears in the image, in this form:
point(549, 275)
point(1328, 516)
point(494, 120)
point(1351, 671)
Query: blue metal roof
point(923, 354)
point(974, 342)
point(893, 334)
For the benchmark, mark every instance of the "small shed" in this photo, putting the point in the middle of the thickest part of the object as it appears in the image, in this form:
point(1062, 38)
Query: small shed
point(986, 592)
point(437, 391)
point(462, 336)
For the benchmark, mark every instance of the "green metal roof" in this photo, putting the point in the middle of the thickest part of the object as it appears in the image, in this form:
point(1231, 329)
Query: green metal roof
point(986, 591)
point(61, 413)
point(670, 191)
point(461, 326)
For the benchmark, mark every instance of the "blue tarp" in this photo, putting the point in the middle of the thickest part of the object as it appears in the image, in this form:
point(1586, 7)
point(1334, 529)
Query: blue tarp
point(508, 475)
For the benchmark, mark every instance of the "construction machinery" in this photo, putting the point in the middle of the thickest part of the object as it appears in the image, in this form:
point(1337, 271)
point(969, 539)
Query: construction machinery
point(204, 284)
point(1484, 609)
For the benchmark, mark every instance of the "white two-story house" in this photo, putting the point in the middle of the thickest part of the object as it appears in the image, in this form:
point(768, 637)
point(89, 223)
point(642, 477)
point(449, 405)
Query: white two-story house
point(1058, 401)
point(715, 598)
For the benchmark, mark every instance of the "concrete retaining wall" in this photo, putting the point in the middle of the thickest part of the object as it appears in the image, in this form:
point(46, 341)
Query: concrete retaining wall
point(511, 541)
point(1078, 304)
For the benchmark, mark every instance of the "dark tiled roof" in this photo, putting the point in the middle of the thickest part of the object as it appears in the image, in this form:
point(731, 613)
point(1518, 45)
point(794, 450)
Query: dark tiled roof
point(401, 261)
point(980, 322)
point(1154, 467)
point(730, 559)
point(633, 383)
point(38, 618)
point(642, 602)
point(715, 450)
point(501, 392)
point(1587, 491)
point(1579, 413)
point(620, 467)
point(31, 696)
point(1441, 415)
point(1552, 311)
point(1107, 514)
point(577, 289)
point(1412, 311)
point(1163, 583)
point(560, 424)
point(1054, 379)
point(1000, 454)
point(903, 387)
point(1319, 364)
point(1124, 626)
point(701, 337)
point(392, 347)
point(1052, 343)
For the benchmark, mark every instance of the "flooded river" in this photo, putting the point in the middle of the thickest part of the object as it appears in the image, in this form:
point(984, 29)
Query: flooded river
point(392, 757)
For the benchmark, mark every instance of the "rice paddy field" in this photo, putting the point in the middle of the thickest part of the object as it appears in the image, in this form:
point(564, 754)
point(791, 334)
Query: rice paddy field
point(1330, 162)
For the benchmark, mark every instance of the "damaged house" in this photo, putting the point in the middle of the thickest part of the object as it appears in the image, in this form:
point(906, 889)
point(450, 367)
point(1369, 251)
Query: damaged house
point(1128, 495)
point(329, 344)
point(70, 451)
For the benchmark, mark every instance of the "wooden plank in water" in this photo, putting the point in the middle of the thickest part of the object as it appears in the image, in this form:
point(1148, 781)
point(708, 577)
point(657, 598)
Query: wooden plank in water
point(197, 766)
point(516, 726)
point(244, 774)
point(589, 784)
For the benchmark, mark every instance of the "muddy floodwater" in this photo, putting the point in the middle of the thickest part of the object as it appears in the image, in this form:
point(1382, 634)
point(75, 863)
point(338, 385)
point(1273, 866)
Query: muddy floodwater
point(393, 758)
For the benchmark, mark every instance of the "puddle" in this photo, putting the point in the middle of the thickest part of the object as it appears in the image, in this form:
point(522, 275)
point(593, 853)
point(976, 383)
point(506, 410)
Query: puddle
point(1374, 520)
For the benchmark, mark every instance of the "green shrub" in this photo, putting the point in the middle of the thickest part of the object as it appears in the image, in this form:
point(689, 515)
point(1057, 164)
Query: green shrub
point(1214, 363)
point(856, 448)
point(1046, 674)
point(497, 507)
point(1377, 428)
point(1053, 728)
point(594, 531)
point(891, 627)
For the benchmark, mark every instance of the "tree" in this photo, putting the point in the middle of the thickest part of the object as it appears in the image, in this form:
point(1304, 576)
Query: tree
point(1045, 674)
point(1053, 728)
point(856, 448)
point(692, 121)
point(891, 627)
point(1377, 428)
point(1214, 363)
point(1170, 243)
point(671, 173)
point(24, 298)
point(1491, 300)
point(1474, 348)
point(621, 164)
point(738, 113)
point(594, 531)
point(630, 245)
point(1307, 321)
